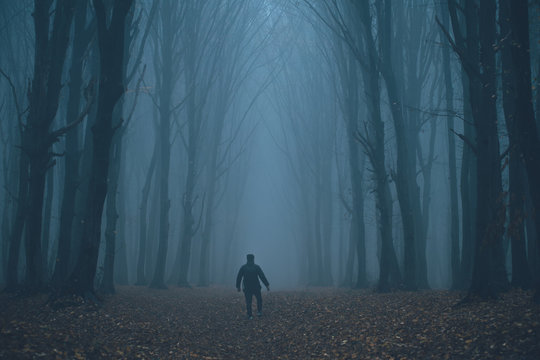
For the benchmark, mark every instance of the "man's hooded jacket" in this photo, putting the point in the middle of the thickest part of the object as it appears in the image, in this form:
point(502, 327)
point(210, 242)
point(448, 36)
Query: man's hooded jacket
point(251, 273)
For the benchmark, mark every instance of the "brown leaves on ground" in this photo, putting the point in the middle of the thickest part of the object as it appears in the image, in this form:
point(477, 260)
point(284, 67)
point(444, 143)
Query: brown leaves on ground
point(317, 323)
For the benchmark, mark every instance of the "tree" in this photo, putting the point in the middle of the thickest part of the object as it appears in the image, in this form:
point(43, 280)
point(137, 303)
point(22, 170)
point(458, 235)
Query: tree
point(520, 269)
point(168, 71)
point(478, 58)
point(452, 167)
point(15, 64)
point(111, 87)
point(82, 35)
point(525, 124)
point(36, 139)
point(348, 79)
point(200, 71)
point(115, 262)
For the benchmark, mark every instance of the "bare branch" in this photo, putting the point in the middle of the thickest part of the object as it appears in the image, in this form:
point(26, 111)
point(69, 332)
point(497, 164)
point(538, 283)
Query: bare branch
point(89, 102)
point(465, 140)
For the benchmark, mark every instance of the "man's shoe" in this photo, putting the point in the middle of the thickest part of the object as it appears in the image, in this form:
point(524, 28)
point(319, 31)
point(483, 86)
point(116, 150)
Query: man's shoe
point(259, 314)
point(250, 317)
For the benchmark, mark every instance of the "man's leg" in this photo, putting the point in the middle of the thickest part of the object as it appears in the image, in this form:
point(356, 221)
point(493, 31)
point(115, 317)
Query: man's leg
point(259, 302)
point(249, 298)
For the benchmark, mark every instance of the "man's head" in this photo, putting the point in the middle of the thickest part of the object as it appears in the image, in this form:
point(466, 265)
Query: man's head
point(250, 258)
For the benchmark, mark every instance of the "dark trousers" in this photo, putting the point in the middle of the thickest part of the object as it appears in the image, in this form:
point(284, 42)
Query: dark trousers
point(249, 297)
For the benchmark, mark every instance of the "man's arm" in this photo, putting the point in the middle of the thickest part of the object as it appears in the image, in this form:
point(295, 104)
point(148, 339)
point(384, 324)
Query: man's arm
point(263, 278)
point(239, 278)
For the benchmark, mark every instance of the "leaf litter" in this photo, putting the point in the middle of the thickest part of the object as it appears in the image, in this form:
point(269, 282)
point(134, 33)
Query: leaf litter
point(317, 323)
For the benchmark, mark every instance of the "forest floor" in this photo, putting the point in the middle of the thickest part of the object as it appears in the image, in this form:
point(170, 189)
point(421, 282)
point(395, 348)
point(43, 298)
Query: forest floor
point(210, 323)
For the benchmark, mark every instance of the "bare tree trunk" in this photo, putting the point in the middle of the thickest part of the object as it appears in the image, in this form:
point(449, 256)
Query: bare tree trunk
point(526, 126)
point(111, 231)
point(521, 275)
point(47, 217)
point(389, 273)
point(12, 277)
point(81, 39)
point(478, 58)
point(468, 181)
point(44, 96)
point(204, 264)
point(452, 168)
point(404, 178)
point(111, 88)
point(143, 221)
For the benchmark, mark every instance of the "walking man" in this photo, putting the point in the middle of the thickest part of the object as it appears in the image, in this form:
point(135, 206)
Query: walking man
point(251, 273)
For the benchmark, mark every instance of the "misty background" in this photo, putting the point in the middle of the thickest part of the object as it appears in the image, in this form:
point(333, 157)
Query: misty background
point(335, 140)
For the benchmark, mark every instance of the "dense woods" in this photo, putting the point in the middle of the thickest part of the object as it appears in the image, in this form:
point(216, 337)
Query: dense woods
point(366, 144)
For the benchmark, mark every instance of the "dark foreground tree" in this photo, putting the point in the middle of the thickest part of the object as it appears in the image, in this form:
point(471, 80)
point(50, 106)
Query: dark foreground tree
point(521, 275)
point(525, 126)
point(477, 55)
point(81, 41)
point(51, 43)
point(111, 35)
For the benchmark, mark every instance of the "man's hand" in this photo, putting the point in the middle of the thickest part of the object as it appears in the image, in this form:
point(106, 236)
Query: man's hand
point(268, 288)
point(238, 289)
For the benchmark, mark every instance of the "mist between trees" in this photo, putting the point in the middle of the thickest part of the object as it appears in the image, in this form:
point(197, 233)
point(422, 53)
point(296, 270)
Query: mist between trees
point(384, 144)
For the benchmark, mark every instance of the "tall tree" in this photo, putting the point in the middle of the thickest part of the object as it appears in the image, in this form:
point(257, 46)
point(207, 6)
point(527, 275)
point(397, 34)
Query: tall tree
point(520, 268)
point(478, 58)
point(452, 167)
point(111, 34)
point(15, 64)
point(526, 129)
point(115, 262)
point(405, 176)
point(167, 69)
point(348, 73)
point(200, 71)
point(51, 43)
point(82, 35)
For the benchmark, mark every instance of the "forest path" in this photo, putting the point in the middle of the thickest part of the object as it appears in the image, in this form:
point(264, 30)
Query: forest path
point(208, 323)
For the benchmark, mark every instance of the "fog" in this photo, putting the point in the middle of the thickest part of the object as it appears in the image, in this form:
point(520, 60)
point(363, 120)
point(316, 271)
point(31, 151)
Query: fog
point(337, 141)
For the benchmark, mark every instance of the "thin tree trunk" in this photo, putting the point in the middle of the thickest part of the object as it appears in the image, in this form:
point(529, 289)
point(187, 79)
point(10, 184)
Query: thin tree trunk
point(111, 231)
point(452, 167)
point(143, 220)
point(389, 274)
point(12, 277)
point(72, 151)
point(404, 178)
point(468, 201)
point(47, 217)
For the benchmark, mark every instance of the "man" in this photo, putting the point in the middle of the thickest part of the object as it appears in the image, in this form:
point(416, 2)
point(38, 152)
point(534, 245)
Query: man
point(251, 273)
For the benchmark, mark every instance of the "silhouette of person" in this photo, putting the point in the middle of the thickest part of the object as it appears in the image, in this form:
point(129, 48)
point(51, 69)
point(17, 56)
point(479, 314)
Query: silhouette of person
point(251, 273)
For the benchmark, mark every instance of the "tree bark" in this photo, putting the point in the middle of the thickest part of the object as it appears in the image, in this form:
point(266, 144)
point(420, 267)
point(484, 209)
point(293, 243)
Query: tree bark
point(50, 53)
point(389, 273)
point(81, 41)
point(526, 126)
point(111, 88)
point(404, 179)
point(452, 167)
point(143, 220)
point(521, 276)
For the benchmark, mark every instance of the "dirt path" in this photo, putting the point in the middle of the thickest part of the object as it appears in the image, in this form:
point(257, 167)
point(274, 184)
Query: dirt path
point(319, 323)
